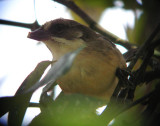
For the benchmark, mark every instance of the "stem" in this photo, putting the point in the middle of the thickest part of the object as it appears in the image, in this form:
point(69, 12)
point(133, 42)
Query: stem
point(93, 25)
point(143, 48)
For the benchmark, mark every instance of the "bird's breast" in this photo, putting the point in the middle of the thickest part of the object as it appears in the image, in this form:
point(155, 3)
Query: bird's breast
point(91, 74)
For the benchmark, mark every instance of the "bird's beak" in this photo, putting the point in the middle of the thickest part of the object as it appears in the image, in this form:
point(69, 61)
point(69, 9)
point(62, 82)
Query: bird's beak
point(38, 34)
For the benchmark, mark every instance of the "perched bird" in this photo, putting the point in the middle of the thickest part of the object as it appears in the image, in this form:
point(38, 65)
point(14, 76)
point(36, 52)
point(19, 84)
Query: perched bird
point(94, 68)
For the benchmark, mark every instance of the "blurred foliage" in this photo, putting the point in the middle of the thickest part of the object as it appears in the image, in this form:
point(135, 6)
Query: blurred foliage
point(80, 110)
point(17, 105)
point(92, 8)
point(128, 118)
point(69, 110)
point(147, 15)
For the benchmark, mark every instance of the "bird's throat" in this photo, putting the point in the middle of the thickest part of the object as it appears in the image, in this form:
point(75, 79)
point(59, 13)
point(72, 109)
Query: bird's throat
point(61, 46)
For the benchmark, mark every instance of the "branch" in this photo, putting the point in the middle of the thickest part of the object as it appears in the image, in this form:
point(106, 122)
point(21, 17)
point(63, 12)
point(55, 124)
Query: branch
point(144, 47)
point(151, 113)
point(130, 54)
point(112, 110)
point(93, 25)
point(138, 101)
point(151, 75)
point(37, 105)
point(156, 43)
point(139, 74)
point(32, 26)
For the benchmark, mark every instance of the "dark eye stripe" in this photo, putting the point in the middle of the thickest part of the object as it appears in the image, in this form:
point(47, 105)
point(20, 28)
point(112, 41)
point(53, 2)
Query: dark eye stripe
point(58, 27)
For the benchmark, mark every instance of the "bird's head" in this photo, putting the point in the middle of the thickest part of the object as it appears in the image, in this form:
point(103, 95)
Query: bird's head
point(63, 35)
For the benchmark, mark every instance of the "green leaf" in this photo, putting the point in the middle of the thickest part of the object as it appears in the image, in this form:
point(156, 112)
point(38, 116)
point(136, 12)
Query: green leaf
point(70, 110)
point(6, 104)
point(18, 104)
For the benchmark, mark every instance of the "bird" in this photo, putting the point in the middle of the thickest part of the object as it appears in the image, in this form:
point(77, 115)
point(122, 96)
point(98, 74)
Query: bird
point(93, 72)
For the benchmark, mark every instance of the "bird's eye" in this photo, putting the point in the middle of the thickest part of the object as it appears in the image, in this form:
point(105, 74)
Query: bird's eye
point(58, 27)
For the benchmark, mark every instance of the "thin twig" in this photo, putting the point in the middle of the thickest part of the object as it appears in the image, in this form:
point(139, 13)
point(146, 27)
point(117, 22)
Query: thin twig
point(37, 105)
point(12, 23)
point(156, 43)
point(32, 26)
point(139, 74)
point(143, 48)
point(138, 101)
point(112, 111)
point(146, 51)
point(130, 54)
point(151, 75)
